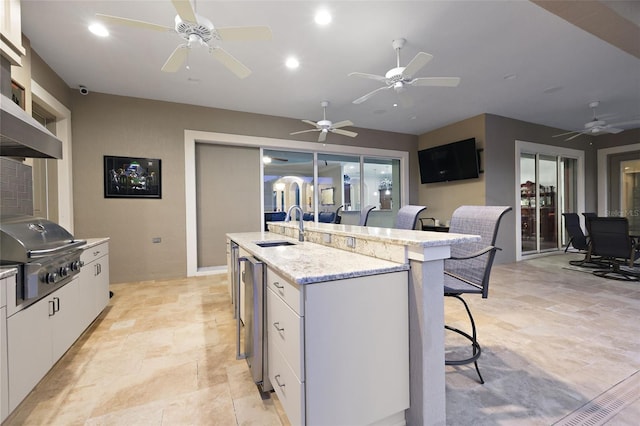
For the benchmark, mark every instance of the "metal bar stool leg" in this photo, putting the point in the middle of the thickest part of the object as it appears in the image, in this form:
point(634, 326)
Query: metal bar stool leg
point(472, 338)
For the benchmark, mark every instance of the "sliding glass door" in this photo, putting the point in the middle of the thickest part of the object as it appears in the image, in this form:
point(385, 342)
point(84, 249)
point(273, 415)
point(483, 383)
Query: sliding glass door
point(548, 188)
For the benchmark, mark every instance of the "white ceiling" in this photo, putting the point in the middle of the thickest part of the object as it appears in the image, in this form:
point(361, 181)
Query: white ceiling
point(558, 67)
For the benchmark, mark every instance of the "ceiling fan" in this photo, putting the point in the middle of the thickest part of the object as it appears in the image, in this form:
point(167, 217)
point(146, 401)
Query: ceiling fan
point(198, 30)
point(399, 77)
point(596, 126)
point(325, 126)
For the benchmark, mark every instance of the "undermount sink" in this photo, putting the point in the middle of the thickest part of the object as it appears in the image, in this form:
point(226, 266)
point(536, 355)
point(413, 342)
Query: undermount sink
point(274, 243)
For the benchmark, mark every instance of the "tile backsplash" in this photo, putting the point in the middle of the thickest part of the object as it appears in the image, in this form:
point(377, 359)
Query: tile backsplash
point(16, 188)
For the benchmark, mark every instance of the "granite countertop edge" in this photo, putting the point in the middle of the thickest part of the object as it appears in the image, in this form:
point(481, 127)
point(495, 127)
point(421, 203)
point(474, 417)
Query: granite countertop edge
point(309, 263)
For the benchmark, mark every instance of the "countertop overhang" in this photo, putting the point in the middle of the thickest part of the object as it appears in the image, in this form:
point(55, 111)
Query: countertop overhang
point(309, 263)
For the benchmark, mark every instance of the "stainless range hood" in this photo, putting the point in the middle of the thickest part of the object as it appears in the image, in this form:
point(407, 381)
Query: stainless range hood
point(20, 134)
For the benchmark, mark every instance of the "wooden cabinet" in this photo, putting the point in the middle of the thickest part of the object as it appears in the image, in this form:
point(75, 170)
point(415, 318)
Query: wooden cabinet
point(338, 350)
point(38, 336)
point(94, 281)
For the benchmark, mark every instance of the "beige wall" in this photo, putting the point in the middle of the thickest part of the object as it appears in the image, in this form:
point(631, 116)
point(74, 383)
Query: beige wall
point(227, 197)
point(116, 125)
point(443, 198)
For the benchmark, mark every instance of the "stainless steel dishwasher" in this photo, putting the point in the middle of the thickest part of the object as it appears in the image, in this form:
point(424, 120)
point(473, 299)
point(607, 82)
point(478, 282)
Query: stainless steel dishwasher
point(251, 335)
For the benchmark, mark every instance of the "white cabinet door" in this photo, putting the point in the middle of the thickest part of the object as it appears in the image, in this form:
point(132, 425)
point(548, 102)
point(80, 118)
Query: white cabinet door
point(29, 341)
point(65, 322)
point(101, 294)
point(94, 281)
point(4, 379)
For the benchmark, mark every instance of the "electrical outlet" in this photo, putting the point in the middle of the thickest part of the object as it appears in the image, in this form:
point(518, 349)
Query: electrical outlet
point(326, 238)
point(156, 240)
point(351, 242)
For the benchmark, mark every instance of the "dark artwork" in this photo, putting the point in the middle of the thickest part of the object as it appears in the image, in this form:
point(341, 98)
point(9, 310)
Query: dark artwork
point(129, 177)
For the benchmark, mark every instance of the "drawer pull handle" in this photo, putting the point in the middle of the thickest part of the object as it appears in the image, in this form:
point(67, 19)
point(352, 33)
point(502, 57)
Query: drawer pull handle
point(277, 326)
point(278, 381)
point(277, 284)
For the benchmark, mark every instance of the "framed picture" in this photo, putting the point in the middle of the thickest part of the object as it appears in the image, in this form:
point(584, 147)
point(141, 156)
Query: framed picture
point(132, 177)
point(326, 196)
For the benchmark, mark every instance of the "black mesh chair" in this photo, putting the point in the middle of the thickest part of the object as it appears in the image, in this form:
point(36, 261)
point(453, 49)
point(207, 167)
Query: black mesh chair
point(338, 218)
point(364, 215)
point(579, 241)
point(408, 216)
point(587, 220)
point(610, 239)
point(469, 268)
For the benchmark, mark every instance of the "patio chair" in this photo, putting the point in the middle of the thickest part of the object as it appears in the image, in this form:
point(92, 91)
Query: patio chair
point(408, 216)
point(364, 215)
point(469, 268)
point(610, 239)
point(579, 241)
point(338, 218)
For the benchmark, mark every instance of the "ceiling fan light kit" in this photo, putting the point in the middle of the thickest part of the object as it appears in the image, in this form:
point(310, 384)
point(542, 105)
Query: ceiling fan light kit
point(196, 29)
point(595, 126)
point(325, 126)
point(400, 77)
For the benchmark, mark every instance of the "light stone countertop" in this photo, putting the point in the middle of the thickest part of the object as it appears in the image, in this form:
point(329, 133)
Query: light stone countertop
point(8, 272)
point(308, 263)
point(92, 242)
point(394, 236)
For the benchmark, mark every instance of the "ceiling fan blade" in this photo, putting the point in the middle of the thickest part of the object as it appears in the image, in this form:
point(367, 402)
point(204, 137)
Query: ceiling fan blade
point(574, 136)
point(416, 64)
point(132, 23)
point(244, 33)
point(305, 131)
point(436, 81)
point(234, 65)
point(313, 123)
point(563, 134)
point(344, 123)
point(612, 130)
point(624, 123)
point(322, 136)
point(370, 94)
point(185, 10)
point(345, 132)
point(369, 76)
point(177, 58)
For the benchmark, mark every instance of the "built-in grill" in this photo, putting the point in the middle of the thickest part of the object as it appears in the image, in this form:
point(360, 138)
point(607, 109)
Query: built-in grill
point(45, 254)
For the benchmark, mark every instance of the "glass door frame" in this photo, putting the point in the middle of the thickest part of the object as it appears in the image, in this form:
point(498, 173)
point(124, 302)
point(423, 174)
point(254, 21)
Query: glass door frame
point(603, 175)
point(523, 147)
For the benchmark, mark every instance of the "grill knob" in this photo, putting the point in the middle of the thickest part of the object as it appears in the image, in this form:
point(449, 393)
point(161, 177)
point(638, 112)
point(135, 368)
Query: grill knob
point(75, 266)
point(51, 277)
point(64, 271)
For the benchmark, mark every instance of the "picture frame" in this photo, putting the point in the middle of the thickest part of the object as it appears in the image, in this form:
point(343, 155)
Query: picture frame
point(326, 196)
point(132, 177)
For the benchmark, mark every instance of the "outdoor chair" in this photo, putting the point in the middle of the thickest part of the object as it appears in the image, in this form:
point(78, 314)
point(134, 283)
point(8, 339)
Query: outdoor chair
point(408, 216)
point(579, 241)
point(338, 218)
point(610, 239)
point(364, 215)
point(469, 268)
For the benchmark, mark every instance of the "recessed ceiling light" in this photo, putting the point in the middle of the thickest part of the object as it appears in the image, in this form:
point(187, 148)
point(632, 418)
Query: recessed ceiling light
point(323, 17)
point(395, 105)
point(292, 63)
point(98, 29)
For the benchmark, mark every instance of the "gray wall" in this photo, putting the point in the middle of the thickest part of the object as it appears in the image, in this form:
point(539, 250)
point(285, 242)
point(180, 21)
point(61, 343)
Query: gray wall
point(124, 126)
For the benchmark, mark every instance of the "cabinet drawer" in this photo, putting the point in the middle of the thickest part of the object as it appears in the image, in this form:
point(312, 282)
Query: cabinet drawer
point(289, 292)
point(93, 253)
point(289, 390)
point(285, 332)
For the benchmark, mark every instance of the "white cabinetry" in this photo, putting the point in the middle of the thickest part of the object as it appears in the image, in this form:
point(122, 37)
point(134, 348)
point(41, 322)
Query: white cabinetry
point(338, 351)
point(39, 335)
point(4, 380)
point(94, 281)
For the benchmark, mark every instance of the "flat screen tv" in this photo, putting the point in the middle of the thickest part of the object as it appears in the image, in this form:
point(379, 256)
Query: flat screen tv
point(445, 163)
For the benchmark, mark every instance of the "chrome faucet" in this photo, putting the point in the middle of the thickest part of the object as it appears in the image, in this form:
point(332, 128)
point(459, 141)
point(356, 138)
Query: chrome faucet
point(300, 222)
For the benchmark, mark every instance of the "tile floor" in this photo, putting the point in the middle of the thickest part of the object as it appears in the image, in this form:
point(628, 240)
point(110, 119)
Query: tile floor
point(162, 353)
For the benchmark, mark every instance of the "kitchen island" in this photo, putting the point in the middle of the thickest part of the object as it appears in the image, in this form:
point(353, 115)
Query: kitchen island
point(425, 253)
point(336, 331)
